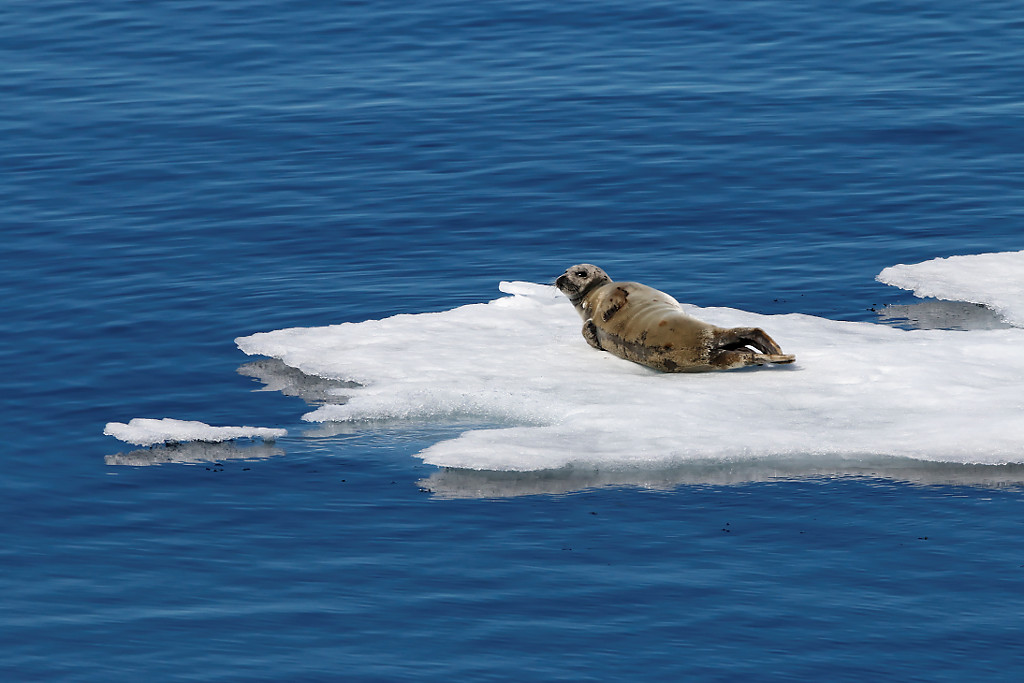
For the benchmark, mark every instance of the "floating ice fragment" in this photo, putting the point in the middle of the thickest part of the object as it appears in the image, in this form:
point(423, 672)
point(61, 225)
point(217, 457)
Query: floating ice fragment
point(142, 431)
point(993, 280)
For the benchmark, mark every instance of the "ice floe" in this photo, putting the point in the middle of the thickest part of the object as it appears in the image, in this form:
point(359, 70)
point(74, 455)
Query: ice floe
point(993, 280)
point(142, 431)
point(519, 366)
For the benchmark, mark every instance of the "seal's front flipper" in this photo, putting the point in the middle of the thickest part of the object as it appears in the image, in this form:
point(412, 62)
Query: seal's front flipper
point(590, 334)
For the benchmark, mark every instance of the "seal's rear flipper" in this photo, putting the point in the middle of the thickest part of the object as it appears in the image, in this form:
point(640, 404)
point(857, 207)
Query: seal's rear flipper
point(779, 358)
point(736, 338)
point(775, 358)
point(728, 359)
point(742, 346)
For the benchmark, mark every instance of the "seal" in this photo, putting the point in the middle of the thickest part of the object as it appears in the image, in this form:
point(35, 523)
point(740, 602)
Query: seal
point(647, 326)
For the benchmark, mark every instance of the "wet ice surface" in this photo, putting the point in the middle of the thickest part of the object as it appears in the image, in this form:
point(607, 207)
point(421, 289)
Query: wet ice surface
point(859, 395)
point(276, 376)
point(942, 315)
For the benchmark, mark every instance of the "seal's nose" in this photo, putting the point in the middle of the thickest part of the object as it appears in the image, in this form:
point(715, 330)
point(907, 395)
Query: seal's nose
point(560, 281)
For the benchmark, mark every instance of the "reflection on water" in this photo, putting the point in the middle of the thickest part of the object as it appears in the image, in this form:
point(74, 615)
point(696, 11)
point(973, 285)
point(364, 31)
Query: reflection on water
point(194, 452)
point(941, 315)
point(457, 483)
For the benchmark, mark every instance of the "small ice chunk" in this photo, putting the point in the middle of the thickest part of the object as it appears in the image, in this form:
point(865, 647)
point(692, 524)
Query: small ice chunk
point(142, 431)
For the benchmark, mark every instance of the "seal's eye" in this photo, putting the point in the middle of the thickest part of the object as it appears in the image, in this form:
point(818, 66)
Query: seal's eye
point(581, 273)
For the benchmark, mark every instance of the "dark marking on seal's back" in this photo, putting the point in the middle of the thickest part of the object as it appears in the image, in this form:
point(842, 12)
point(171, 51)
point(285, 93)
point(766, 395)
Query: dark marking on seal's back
point(618, 300)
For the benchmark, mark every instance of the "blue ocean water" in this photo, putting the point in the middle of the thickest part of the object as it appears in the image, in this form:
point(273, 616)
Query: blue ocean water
point(177, 174)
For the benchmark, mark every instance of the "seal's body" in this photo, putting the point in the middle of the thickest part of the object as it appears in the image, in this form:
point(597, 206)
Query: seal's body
point(646, 326)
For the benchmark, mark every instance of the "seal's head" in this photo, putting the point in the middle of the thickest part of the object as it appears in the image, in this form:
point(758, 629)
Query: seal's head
point(577, 281)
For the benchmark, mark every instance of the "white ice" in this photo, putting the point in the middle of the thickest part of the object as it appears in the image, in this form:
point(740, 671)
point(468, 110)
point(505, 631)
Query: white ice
point(993, 280)
point(142, 431)
point(520, 366)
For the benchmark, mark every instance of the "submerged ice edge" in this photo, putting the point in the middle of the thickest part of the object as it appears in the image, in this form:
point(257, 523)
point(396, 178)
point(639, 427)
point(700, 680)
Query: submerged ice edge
point(453, 483)
point(857, 388)
point(195, 452)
